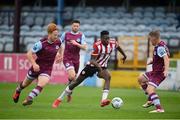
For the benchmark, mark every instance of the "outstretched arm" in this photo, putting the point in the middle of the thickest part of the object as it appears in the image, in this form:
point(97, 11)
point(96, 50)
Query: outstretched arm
point(122, 52)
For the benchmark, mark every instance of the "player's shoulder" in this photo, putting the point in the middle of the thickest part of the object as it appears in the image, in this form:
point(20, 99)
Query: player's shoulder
point(58, 41)
point(98, 42)
point(162, 43)
point(67, 32)
point(80, 32)
point(113, 41)
point(43, 39)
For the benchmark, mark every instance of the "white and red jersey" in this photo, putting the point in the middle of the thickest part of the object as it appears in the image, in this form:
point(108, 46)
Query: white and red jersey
point(103, 52)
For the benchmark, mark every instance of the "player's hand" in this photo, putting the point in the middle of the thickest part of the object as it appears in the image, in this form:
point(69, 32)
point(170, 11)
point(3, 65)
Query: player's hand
point(58, 58)
point(36, 67)
point(74, 42)
point(165, 73)
point(123, 59)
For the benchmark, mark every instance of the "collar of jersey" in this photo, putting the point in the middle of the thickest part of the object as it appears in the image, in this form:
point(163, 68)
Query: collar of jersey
point(74, 33)
point(50, 42)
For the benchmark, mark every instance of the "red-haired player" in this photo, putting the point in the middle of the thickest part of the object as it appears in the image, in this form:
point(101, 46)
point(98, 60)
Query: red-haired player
point(46, 50)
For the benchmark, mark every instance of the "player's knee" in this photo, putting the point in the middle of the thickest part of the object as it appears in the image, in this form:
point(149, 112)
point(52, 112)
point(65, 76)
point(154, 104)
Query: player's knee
point(140, 79)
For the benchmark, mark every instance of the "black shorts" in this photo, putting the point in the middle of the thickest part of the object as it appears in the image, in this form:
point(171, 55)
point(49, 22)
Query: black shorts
point(89, 71)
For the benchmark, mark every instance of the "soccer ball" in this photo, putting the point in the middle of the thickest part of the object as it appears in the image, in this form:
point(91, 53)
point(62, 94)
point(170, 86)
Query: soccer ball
point(116, 102)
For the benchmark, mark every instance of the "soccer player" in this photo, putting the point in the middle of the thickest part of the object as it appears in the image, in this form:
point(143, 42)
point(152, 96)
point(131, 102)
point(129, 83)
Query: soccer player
point(98, 64)
point(149, 81)
point(41, 56)
point(74, 41)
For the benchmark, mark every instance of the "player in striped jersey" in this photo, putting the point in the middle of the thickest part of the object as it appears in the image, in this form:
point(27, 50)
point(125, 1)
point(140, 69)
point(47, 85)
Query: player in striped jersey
point(98, 64)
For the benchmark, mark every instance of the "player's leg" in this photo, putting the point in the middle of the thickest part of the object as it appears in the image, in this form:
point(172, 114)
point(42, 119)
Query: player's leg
point(31, 75)
point(86, 72)
point(143, 81)
point(107, 77)
point(70, 68)
point(71, 77)
point(155, 98)
point(154, 82)
point(26, 82)
point(43, 80)
point(71, 86)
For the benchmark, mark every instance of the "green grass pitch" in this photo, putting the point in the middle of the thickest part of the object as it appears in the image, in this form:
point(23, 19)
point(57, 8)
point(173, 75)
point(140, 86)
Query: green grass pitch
point(85, 104)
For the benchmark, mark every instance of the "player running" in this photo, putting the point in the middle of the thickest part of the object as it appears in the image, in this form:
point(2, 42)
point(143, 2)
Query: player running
point(98, 63)
point(74, 41)
point(149, 81)
point(46, 51)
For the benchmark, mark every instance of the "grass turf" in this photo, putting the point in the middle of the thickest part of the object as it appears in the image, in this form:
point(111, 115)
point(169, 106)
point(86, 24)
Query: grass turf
point(85, 104)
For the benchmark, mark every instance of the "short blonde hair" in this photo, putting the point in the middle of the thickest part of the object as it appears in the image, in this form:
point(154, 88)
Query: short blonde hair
point(51, 27)
point(155, 33)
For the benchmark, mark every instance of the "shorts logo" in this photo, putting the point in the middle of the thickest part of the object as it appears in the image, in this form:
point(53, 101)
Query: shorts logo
point(30, 72)
point(67, 64)
point(57, 47)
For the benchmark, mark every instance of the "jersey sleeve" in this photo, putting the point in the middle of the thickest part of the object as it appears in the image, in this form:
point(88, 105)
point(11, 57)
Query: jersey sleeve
point(37, 47)
point(161, 51)
point(95, 50)
point(83, 39)
point(62, 38)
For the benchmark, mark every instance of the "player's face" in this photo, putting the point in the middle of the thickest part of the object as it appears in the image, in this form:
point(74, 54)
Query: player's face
point(75, 27)
point(54, 35)
point(154, 40)
point(105, 39)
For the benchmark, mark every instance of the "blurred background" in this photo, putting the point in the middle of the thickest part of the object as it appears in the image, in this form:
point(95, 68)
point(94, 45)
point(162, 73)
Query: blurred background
point(23, 22)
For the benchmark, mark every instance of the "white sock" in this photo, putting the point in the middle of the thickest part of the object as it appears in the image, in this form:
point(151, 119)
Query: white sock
point(105, 94)
point(67, 91)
